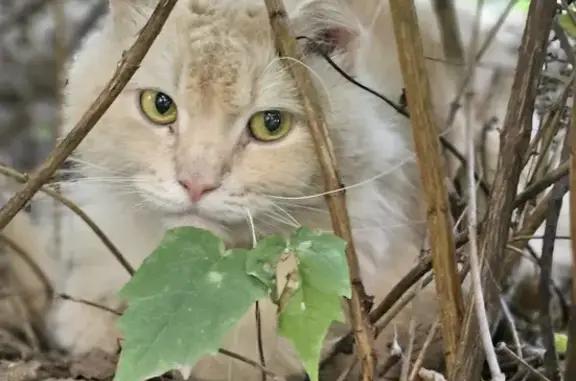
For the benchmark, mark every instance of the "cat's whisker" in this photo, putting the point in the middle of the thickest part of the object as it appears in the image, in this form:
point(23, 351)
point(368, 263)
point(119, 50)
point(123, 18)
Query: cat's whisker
point(301, 206)
point(283, 216)
point(250, 220)
point(99, 180)
point(278, 225)
point(358, 184)
point(91, 165)
point(290, 217)
point(312, 71)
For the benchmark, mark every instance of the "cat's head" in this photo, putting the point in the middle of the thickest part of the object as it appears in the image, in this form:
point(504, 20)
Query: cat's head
point(211, 123)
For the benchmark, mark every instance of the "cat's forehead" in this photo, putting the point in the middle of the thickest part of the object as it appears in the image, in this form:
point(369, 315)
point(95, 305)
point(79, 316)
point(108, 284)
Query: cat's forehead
point(229, 53)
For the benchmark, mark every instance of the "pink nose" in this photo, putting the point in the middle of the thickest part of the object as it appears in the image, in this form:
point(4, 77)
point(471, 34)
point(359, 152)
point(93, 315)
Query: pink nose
point(197, 190)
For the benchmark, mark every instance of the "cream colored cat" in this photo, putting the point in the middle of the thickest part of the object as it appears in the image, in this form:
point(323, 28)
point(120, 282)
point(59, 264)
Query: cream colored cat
point(210, 132)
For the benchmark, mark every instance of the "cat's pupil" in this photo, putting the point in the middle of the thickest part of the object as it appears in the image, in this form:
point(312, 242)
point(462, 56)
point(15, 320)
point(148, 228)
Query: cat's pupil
point(163, 103)
point(272, 120)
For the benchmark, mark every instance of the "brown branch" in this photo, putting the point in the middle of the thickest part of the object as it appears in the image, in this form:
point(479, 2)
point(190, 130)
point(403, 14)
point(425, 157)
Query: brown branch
point(421, 355)
point(260, 343)
point(424, 130)
point(246, 360)
point(515, 139)
point(286, 45)
point(570, 367)
point(546, 259)
point(541, 185)
point(503, 348)
point(126, 68)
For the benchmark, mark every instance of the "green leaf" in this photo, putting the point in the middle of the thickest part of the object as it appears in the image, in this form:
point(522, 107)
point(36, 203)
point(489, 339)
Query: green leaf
point(523, 4)
point(261, 262)
point(566, 23)
point(316, 301)
point(561, 342)
point(181, 302)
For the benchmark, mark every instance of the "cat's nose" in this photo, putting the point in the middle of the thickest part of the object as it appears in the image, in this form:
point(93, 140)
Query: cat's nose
point(197, 190)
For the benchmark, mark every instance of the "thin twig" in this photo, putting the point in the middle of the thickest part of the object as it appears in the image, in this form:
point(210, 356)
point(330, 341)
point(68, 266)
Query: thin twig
point(424, 132)
point(23, 178)
point(128, 65)
point(546, 259)
point(255, 364)
point(542, 184)
point(405, 368)
point(502, 347)
point(286, 45)
point(477, 292)
point(420, 359)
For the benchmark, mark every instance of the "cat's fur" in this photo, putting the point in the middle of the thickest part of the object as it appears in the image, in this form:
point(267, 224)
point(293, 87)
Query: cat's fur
point(217, 60)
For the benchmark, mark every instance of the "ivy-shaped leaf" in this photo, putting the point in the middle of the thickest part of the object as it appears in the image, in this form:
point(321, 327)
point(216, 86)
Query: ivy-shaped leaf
point(316, 300)
point(181, 302)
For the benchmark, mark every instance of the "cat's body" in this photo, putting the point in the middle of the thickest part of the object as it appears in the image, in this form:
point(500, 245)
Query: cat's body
point(218, 63)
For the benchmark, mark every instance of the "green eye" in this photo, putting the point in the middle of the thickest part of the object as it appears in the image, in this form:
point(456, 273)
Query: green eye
point(270, 125)
point(158, 107)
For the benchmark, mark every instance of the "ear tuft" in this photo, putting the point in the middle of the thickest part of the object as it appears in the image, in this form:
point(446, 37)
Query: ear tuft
point(329, 26)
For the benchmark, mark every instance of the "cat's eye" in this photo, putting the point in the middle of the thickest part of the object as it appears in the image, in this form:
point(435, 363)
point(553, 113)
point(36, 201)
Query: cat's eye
point(158, 107)
point(270, 125)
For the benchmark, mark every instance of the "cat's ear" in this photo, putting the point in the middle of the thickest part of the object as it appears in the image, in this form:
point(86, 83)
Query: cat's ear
point(130, 15)
point(328, 27)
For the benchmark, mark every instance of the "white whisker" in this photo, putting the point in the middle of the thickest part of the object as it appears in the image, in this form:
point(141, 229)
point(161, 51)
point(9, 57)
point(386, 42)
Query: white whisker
point(322, 83)
point(251, 224)
point(367, 181)
point(291, 218)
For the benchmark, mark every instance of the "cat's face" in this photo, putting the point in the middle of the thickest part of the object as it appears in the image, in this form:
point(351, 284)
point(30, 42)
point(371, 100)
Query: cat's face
point(211, 123)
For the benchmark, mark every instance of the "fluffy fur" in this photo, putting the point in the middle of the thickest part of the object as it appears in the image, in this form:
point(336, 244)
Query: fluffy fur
point(217, 60)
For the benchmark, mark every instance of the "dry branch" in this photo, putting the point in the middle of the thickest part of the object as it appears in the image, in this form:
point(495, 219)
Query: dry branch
point(286, 45)
point(425, 134)
point(560, 188)
point(126, 68)
point(570, 366)
point(515, 139)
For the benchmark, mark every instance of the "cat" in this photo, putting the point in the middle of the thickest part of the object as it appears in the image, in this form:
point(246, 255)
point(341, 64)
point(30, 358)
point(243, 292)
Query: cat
point(210, 132)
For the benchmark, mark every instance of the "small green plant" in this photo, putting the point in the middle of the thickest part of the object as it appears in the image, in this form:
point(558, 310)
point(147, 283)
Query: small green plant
point(191, 291)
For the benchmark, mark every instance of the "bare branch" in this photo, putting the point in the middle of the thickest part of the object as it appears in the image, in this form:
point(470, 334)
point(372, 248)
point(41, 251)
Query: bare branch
point(515, 139)
point(424, 132)
point(570, 367)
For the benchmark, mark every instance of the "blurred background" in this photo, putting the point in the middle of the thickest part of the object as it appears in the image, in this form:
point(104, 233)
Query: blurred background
point(36, 38)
